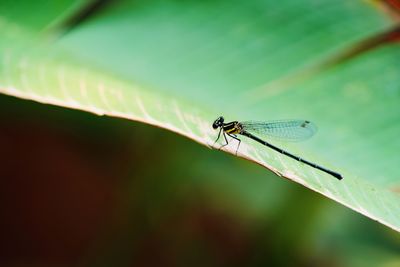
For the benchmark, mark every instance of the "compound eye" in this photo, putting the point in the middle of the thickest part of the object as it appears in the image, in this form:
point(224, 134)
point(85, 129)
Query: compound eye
point(218, 122)
point(215, 125)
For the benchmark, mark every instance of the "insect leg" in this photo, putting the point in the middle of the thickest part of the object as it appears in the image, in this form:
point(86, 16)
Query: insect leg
point(235, 137)
point(226, 140)
point(219, 134)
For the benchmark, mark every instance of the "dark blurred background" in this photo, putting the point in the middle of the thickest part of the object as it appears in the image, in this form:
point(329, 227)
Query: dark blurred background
point(82, 190)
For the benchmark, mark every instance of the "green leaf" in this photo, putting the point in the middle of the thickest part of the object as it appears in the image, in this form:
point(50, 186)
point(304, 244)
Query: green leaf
point(41, 14)
point(180, 64)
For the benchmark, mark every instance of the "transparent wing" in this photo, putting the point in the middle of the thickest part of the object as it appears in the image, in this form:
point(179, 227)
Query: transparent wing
point(285, 130)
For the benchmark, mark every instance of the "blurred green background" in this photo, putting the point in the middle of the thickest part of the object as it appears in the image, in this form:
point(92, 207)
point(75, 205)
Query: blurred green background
point(80, 190)
point(85, 190)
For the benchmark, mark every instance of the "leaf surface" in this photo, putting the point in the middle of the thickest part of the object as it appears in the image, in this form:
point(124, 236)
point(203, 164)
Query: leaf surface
point(180, 64)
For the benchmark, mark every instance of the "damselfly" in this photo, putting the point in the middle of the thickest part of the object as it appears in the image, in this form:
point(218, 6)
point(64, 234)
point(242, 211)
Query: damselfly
point(286, 130)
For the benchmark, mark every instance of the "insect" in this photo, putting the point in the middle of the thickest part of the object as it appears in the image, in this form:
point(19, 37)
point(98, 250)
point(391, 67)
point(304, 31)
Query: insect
point(286, 130)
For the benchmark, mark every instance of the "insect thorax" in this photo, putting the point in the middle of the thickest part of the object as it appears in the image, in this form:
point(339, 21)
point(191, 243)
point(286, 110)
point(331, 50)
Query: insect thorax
point(233, 127)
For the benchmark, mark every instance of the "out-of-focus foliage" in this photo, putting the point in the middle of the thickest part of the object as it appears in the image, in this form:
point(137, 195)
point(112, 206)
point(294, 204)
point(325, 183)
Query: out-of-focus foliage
point(80, 189)
point(219, 57)
point(180, 64)
point(41, 15)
